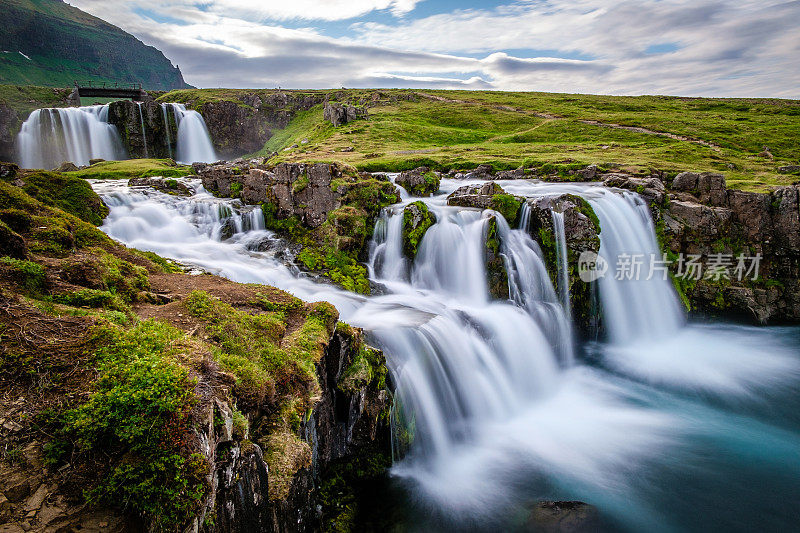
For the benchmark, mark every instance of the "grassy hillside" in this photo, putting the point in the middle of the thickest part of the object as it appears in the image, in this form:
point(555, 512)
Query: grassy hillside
point(460, 129)
point(62, 44)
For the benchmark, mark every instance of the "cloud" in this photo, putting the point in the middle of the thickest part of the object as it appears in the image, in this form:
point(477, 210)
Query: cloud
point(705, 47)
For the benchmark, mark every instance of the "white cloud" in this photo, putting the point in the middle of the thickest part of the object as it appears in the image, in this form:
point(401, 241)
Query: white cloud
point(717, 47)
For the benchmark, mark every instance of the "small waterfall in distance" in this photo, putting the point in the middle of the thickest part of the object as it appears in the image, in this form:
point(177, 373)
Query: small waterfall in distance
point(52, 136)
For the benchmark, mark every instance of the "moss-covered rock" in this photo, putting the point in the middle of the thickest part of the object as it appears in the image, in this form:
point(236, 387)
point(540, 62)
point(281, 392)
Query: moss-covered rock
point(421, 181)
point(582, 233)
point(497, 276)
point(417, 219)
point(488, 195)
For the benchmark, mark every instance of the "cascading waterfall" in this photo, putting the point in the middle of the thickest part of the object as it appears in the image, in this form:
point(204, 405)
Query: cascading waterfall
point(52, 136)
point(490, 413)
point(634, 306)
point(562, 259)
point(141, 122)
point(167, 128)
point(194, 143)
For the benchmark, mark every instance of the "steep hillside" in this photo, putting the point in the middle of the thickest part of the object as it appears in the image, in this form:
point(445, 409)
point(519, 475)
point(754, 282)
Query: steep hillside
point(48, 42)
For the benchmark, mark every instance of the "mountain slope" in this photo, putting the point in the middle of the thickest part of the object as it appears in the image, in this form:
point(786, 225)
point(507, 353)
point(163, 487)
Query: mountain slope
point(48, 42)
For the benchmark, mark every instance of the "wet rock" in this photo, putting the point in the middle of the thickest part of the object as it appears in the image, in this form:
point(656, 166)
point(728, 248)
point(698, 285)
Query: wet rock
point(564, 517)
point(142, 128)
point(338, 114)
point(516, 174)
point(582, 234)
point(479, 196)
point(651, 189)
point(417, 219)
point(167, 185)
point(421, 181)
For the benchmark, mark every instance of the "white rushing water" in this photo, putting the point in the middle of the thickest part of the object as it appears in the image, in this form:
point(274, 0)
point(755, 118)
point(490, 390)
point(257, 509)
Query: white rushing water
point(50, 137)
point(193, 141)
point(53, 136)
point(493, 409)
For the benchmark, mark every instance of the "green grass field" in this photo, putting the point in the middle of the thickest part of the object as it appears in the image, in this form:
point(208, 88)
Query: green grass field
point(447, 129)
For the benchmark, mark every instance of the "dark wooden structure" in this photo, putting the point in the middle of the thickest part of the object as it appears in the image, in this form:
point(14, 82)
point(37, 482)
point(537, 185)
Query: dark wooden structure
point(126, 91)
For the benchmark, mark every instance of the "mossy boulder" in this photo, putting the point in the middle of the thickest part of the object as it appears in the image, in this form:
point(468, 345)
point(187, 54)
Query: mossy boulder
point(417, 219)
point(582, 234)
point(497, 276)
point(421, 181)
point(488, 195)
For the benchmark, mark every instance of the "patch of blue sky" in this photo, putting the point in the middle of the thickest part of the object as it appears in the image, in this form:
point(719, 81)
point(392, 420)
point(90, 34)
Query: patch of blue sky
point(158, 17)
point(662, 48)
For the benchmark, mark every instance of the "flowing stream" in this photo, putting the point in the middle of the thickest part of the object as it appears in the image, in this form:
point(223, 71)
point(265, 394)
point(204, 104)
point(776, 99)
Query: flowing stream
point(665, 426)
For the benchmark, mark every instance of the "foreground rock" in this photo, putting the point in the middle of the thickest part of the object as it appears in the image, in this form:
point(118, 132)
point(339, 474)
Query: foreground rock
point(564, 517)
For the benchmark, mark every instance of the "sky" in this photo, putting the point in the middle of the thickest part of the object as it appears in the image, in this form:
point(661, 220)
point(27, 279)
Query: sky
point(731, 48)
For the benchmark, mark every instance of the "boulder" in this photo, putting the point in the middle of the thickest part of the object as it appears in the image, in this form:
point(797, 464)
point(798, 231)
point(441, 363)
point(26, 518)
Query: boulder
point(67, 166)
point(789, 169)
point(8, 171)
point(95, 161)
point(421, 181)
point(417, 219)
point(563, 517)
point(477, 196)
point(167, 185)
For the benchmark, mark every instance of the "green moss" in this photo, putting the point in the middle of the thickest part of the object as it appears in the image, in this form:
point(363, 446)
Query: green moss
point(28, 275)
point(166, 266)
point(508, 206)
point(90, 298)
point(368, 366)
point(497, 276)
point(236, 189)
point(413, 234)
point(68, 193)
point(133, 168)
point(137, 416)
point(300, 183)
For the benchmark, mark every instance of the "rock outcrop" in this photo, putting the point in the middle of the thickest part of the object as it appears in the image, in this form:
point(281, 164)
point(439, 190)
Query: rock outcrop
point(330, 210)
point(339, 114)
point(488, 196)
point(581, 231)
point(706, 219)
point(417, 219)
point(421, 181)
point(142, 129)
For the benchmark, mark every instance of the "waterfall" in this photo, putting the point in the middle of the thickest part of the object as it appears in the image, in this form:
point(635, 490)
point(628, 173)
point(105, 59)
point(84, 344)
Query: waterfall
point(167, 128)
point(638, 308)
point(141, 121)
point(491, 410)
point(194, 143)
point(52, 136)
point(562, 260)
